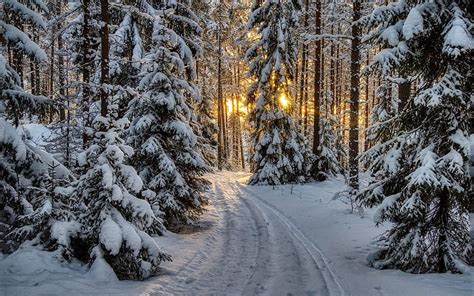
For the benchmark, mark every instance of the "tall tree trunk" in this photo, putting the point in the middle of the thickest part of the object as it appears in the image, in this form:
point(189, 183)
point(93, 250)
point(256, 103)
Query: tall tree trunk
point(302, 85)
point(322, 92)
point(304, 73)
point(241, 144)
point(62, 78)
point(317, 79)
point(296, 73)
point(226, 130)
point(332, 75)
point(337, 86)
point(51, 74)
point(104, 63)
point(366, 142)
point(354, 98)
point(220, 121)
point(85, 68)
point(37, 71)
point(32, 78)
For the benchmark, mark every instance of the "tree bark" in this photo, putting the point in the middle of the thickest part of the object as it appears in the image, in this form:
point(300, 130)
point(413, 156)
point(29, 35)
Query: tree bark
point(404, 90)
point(220, 123)
point(317, 79)
point(104, 63)
point(366, 142)
point(85, 68)
point(354, 98)
point(332, 74)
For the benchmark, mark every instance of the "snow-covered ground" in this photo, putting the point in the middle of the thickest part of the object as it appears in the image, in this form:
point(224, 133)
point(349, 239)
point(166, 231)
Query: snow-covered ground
point(287, 240)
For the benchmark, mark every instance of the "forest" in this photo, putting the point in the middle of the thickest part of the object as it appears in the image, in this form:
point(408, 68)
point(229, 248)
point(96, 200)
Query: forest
point(140, 137)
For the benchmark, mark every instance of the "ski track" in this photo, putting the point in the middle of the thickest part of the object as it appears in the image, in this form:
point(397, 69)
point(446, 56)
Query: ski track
point(251, 250)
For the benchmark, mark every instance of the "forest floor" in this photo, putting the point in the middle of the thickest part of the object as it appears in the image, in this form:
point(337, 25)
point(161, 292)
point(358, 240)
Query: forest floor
point(252, 240)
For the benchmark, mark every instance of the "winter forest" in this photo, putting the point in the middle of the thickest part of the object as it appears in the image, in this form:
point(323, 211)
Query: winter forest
point(236, 147)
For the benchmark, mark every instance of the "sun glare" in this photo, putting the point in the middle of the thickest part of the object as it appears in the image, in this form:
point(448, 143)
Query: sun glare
point(283, 100)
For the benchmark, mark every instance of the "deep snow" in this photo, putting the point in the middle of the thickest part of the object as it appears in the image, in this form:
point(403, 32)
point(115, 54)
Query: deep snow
point(253, 240)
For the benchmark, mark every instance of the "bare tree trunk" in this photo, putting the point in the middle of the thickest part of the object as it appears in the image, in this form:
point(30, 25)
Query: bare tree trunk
point(366, 142)
point(62, 79)
point(302, 85)
point(296, 73)
point(322, 92)
point(37, 72)
point(354, 98)
point(51, 74)
point(104, 64)
point(220, 121)
point(317, 79)
point(304, 73)
point(32, 78)
point(85, 68)
point(337, 86)
point(241, 144)
point(226, 133)
point(332, 75)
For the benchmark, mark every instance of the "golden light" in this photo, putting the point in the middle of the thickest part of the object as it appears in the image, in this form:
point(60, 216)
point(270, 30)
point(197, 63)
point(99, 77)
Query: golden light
point(229, 105)
point(241, 108)
point(283, 100)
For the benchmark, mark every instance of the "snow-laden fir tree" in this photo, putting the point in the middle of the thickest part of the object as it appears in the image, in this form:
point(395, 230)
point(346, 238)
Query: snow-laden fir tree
point(186, 23)
point(25, 204)
point(113, 219)
point(206, 69)
point(326, 162)
point(134, 23)
point(167, 158)
point(81, 36)
point(422, 180)
point(278, 146)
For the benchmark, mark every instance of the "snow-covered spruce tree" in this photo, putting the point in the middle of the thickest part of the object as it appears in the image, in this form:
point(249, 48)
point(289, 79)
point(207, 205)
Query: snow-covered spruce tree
point(113, 219)
point(134, 23)
point(186, 23)
point(422, 171)
point(160, 132)
point(23, 201)
point(278, 157)
point(327, 158)
point(81, 36)
point(206, 69)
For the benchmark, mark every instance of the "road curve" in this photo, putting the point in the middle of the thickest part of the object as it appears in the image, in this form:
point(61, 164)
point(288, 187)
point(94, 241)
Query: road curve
point(252, 249)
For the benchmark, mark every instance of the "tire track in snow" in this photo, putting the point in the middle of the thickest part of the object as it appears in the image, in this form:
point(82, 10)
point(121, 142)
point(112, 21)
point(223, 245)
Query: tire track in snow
point(333, 284)
point(176, 282)
point(221, 265)
point(293, 271)
point(249, 250)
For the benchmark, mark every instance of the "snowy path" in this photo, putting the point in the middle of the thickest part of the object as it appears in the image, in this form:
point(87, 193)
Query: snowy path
point(252, 250)
point(254, 240)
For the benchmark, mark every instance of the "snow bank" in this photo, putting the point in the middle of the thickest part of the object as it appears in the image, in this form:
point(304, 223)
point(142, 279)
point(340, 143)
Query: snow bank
point(346, 240)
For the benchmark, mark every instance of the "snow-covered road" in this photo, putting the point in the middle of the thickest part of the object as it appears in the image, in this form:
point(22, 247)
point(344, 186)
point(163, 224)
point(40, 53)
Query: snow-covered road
point(253, 240)
point(252, 250)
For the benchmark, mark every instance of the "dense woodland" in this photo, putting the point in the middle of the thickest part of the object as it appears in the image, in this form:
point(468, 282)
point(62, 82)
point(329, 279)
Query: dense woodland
point(145, 97)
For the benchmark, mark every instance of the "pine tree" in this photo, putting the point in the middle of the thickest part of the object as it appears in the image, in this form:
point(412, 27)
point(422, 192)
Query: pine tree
point(422, 179)
point(82, 44)
point(113, 218)
point(277, 143)
point(205, 128)
point(127, 48)
point(24, 202)
point(167, 158)
point(326, 162)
